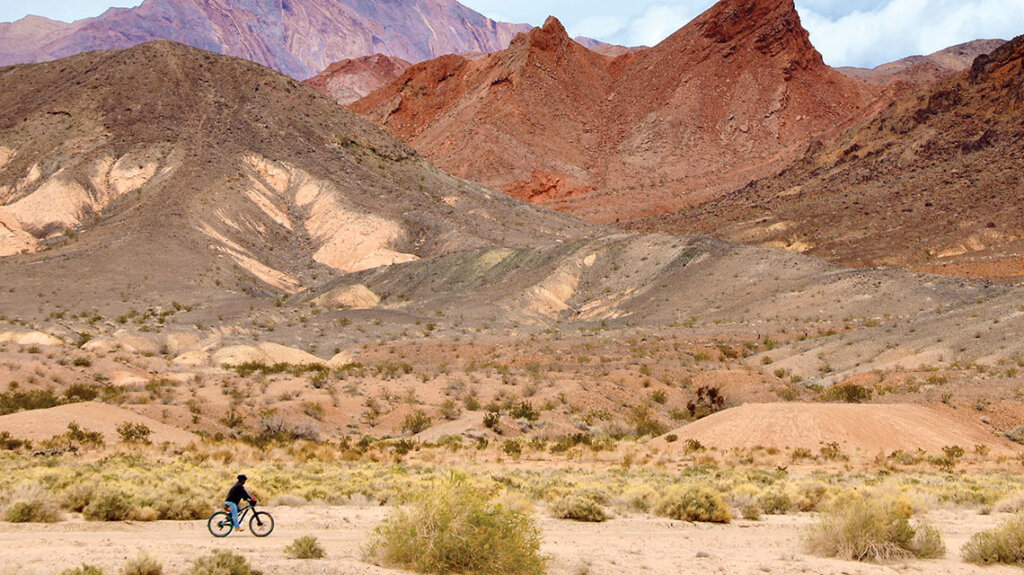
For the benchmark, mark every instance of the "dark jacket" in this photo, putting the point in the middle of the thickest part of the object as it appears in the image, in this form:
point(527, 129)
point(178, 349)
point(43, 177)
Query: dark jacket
point(237, 493)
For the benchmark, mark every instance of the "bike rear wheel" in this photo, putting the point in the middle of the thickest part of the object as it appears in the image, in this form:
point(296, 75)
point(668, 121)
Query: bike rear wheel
point(261, 524)
point(220, 524)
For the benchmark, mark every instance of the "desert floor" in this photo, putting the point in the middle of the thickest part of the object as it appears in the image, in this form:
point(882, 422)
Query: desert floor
point(625, 545)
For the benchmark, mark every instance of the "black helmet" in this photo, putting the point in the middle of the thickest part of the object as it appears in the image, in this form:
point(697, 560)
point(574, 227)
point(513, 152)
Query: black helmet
point(242, 478)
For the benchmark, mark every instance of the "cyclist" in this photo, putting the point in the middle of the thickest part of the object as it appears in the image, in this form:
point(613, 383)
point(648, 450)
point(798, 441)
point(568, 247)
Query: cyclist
point(235, 495)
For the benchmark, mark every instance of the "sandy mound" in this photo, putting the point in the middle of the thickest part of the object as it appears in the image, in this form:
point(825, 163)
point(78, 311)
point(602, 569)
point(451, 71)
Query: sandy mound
point(30, 338)
point(268, 353)
point(42, 424)
point(869, 429)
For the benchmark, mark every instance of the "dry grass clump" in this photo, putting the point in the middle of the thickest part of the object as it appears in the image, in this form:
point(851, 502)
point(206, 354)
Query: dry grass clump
point(31, 504)
point(578, 507)
point(108, 505)
point(305, 547)
point(32, 511)
point(692, 503)
point(873, 529)
point(222, 562)
point(453, 528)
point(1004, 544)
point(142, 564)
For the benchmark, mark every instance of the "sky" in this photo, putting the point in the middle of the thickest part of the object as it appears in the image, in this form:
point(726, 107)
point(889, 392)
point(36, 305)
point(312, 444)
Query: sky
point(862, 33)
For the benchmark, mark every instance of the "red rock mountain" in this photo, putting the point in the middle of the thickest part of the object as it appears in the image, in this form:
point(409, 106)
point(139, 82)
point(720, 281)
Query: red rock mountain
point(349, 80)
point(920, 70)
point(932, 183)
point(297, 37)
point(732, 96)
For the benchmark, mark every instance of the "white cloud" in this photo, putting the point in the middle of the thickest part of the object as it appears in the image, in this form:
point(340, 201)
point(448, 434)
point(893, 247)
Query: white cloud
point(902, 28)
point(657, 22)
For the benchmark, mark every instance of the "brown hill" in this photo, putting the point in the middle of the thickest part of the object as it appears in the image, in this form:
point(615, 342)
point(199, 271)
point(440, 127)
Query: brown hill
point(297, 37)
point(864, 430)
point(932, 183)
point(164, 169)
point(349, 80)
point(731, 96)
point(921, 70)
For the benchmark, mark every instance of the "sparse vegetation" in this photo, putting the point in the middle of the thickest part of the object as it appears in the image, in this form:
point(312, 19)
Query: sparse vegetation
point(873, 529)
point(305, 547)
point(578, 507)
point(1003, 544)
point(222, 562)
point(692, 503)
point(142, 564)
point(453, 528)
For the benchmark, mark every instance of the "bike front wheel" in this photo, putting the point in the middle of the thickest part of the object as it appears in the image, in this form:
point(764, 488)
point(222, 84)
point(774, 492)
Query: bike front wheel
point(261, 524)
point(220, 524)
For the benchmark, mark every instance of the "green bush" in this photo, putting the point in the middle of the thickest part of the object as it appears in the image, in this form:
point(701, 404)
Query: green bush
point(578, 507)
point(866, 529)
point(847, 393)
point(692, 503)
point(305, 547)
point(1004, 544)
point(222, 562)
point(134, 432)
point(453, 528)
point(775, 502)
point(108, 505)
point(142, 564)
point(181, 502)
point(416, 422)
point(83, 570)
point(36, 510)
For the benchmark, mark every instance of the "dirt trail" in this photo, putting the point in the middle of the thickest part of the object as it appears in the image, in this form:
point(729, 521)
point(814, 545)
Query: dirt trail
point(622, 546)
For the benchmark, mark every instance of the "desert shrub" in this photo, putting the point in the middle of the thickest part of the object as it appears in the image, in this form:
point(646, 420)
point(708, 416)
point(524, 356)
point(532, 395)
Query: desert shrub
point(512, 447)
point(775, 502)
point(134, 432)
point(181, 502)
point(34, 510)
point(305, 547)
point(108, 505)
point(81, 391)
point(9, 443)
point(578, 507)
point(847, 393)
point(644, 422)
point(872, 529)
point(416, 422)
point(1003, 544)
point(751, 511)
point(85, 569)
point(221, 562)
point(492, 421)
point(524, 410)
point(77, 496)
point(75, 434)
point(692, 503)
point(453, 528)
point(14, 401)
point(142, 564)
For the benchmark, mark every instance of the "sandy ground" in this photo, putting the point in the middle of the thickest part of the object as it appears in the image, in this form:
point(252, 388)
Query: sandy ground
point(625, 545)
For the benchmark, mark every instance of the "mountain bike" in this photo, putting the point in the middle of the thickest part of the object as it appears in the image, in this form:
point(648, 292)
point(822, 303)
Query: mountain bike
point(260, 524)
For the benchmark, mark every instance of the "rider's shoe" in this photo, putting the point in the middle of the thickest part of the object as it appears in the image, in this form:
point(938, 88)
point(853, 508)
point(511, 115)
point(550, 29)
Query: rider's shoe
point(239, 528)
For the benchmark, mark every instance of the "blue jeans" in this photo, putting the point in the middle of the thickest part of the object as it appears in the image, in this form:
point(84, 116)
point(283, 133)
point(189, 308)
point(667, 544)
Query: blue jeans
point(233, 509)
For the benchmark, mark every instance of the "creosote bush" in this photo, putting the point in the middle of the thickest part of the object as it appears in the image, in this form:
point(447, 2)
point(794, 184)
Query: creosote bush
point(35, 510)
point(305, 547)
point(142, 564)
point(453, 528)
point(108, 505)
point(578, 507)
point(1004, 544)
point(692, 503)
point(222, 562)
point(872, 529)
